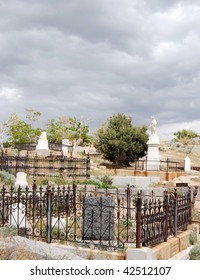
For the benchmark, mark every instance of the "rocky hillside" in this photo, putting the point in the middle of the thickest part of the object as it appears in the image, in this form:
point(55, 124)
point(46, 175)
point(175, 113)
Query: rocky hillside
point(177, 151)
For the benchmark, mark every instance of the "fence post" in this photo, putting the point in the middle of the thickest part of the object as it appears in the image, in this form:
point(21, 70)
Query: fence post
point(88, 166)
point(16, 163)
point(194, 194)
point(74, 186)
point(128, 202)
point(138, 220)
point(3, 206)
point(166, 220)
point(167, 165)
point(34, 188)
point(49, 214)
point(175, 212)
point(146, 163)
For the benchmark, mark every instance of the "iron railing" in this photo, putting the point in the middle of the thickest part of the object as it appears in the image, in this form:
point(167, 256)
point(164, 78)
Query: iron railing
point(50, 166)
point(60, 213)
point(111, 218)
point(32, 147)
point(161, 218)
point(165, 165)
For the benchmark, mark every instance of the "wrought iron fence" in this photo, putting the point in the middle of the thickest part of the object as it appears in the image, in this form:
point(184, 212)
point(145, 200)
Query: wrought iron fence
point(63, 213)
point(165, 165)
point(160, 219)
point(109, 218)
point(32, 147)
point(172, 165)
point(50, 166)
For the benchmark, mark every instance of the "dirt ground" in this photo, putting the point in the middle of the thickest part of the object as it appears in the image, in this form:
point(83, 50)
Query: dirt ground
point(192, 181)
point(197, 205)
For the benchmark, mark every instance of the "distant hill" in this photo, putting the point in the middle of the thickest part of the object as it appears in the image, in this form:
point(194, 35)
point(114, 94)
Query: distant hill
point(178, 151)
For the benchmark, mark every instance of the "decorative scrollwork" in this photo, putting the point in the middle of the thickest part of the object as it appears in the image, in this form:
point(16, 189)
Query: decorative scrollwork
point(114, 216)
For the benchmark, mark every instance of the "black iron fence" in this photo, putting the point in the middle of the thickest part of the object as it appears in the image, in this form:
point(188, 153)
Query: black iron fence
point(160, 219)
point(50, 166)
point(32, 147)
point(87, 215)
point(172, 165)
point(165, 165)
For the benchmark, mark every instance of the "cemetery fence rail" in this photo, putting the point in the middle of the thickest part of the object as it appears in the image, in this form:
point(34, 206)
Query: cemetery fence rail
point(108, 218)
point(50, 166)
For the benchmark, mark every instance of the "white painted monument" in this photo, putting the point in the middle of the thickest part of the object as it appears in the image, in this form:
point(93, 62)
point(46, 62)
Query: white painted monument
point(42, 148)
point(153, 157)
point(21, 180)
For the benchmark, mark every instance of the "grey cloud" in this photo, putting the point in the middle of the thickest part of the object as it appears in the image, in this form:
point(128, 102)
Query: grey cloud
point(91, 59)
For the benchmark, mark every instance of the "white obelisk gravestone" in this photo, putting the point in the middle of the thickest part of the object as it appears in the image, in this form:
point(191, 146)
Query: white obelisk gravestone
point(42, 148)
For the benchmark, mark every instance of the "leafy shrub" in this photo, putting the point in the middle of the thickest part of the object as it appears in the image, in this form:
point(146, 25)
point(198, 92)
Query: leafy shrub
point(107, 180)
point(44, 181)
point(7, 178)
point(195, 215)
point(193, 237)
point(100, 182)
point(195, 253)
point(7, 231)
point(92, 182)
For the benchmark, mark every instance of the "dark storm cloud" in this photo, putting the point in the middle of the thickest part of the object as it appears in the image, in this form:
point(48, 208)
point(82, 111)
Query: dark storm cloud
point(91, 59)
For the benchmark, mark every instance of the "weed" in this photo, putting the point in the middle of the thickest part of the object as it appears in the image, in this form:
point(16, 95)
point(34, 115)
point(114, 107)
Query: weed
point(194, 253)
point(193, 237)
point(7, 178)
point(8, 231)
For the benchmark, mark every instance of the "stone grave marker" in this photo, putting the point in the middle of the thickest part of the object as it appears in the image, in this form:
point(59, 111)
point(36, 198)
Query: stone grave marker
point(182, 184)
point(187, 164)
point(98, 218)
point(42, 147)
point(21, 180)
point(65, 147)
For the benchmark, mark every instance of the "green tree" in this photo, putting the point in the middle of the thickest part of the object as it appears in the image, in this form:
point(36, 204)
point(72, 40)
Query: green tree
point(70, 128)
point(19, 131)
point(32, 115)
point(185, 136)
point(121, 142)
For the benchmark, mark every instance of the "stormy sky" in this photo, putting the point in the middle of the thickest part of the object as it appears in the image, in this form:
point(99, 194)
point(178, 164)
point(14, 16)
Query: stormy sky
point(92, 58)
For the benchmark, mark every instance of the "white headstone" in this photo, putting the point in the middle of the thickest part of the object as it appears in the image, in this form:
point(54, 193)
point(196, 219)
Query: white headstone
point(42, 147)
point(65, 145)
point(187, 164)
point(17, 216)
point(21, 179)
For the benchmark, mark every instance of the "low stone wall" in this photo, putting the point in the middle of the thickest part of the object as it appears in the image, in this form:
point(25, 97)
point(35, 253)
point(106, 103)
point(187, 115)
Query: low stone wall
point(17, 247)
point(165, 176)
point(163, 251)
point(21, 248)
point(93, 254)
point(138, 181)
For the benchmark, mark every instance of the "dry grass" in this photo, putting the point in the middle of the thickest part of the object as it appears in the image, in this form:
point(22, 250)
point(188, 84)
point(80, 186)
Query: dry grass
point(173, 152)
